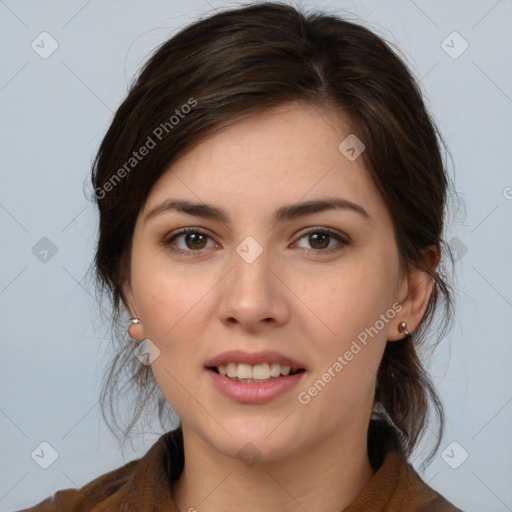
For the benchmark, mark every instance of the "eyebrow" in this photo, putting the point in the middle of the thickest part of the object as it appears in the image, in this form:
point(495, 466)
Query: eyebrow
point(284, 213)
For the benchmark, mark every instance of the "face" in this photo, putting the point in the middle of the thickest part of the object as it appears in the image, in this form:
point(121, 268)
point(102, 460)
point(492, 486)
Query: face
point(314, 289)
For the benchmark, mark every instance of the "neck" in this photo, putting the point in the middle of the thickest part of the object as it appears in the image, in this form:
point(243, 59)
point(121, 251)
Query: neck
point(326, 477)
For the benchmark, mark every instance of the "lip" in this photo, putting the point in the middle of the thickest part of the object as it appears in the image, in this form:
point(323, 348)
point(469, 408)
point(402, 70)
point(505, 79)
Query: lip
point(239, 356)
point(253, 392)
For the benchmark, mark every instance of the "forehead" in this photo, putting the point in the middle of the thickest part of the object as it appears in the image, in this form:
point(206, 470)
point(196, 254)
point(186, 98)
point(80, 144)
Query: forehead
point(284, 155)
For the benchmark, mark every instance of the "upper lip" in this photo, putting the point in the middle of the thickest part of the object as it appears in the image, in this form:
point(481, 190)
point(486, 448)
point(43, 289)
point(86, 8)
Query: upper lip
point(253, 358)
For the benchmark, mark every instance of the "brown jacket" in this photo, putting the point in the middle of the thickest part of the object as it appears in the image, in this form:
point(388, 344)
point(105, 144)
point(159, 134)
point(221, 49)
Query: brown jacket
point(144, 485)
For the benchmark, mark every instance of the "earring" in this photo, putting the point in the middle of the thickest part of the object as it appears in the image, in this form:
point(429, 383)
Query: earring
point(402, 328)
point(133, 321)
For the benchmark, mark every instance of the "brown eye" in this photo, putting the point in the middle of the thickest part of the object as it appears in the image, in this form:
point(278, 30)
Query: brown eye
point(196, 240)
point(188, 241)
point(320, 240)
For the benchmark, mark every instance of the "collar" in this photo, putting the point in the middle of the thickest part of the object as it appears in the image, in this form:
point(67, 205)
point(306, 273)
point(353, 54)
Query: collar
point(145, 485)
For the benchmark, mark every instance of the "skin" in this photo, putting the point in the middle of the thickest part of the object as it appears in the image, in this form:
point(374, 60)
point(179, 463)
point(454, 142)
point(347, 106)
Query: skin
point(293, 299)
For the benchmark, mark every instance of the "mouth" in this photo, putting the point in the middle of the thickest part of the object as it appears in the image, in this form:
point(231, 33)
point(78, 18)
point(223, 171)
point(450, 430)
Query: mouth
point(254, 374)
point(254, 377)
point(255, 384)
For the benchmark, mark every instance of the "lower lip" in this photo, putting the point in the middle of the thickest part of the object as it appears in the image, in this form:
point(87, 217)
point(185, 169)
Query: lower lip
point(252, 392)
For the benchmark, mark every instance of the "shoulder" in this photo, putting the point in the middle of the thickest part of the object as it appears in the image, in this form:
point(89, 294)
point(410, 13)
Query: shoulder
point(135, 486)
point(418, 495)
point(102, 488)
point(396, 487)
point(140, 485)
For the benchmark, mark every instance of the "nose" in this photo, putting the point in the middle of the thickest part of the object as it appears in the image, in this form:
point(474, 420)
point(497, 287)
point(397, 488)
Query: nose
point(253, 295)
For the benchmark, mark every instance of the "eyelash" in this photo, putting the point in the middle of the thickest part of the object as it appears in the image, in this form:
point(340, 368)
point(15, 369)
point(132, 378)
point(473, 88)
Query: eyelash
point(168, 240)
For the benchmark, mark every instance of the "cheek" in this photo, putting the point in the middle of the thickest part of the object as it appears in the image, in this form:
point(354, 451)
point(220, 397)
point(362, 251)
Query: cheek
point(171, 302)
point(356, 299)
point(356, 312)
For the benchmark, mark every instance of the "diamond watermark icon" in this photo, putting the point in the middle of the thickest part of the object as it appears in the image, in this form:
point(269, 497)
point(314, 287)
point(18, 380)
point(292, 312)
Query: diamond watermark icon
point(454, 455)
point(44, 45)
point(44, 455)
point(458, 247)
point(44, 250)
point(249, 249)
point(146, 352)
point(351, 147)
point(454, 45)
point(249, 454)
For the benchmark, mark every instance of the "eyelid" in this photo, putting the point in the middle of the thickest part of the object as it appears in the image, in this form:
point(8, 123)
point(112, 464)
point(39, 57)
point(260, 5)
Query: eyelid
point(167, 239)
point(322, 229)
point(342, 239)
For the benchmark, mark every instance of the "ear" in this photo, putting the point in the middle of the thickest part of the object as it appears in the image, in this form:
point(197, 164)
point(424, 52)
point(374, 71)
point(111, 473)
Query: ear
point(136, 331)
point(413, 294)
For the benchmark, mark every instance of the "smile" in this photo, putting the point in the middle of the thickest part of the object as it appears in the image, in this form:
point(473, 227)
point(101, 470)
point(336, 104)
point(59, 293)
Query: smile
point(263, 372)
point(254, 377)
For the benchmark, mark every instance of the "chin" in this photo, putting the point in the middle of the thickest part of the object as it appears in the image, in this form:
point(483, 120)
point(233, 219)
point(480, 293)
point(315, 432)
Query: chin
point(256, 441)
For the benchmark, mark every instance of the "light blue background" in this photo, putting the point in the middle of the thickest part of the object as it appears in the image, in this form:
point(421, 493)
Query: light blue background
point(54, 113)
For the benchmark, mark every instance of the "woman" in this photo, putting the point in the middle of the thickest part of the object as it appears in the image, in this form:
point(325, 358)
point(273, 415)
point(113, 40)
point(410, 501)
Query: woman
point(272, 196)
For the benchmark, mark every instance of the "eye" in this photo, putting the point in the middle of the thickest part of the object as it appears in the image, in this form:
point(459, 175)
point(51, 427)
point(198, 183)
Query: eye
point(320, 239)
point(194, 239)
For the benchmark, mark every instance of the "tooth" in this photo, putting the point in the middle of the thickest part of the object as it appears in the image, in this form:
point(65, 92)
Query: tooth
point(275, 370)
point(244, 371)
point(261, 371)
point(231, 369)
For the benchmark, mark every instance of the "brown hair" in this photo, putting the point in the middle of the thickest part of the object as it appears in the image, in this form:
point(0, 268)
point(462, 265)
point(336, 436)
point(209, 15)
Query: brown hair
point(243, 61)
